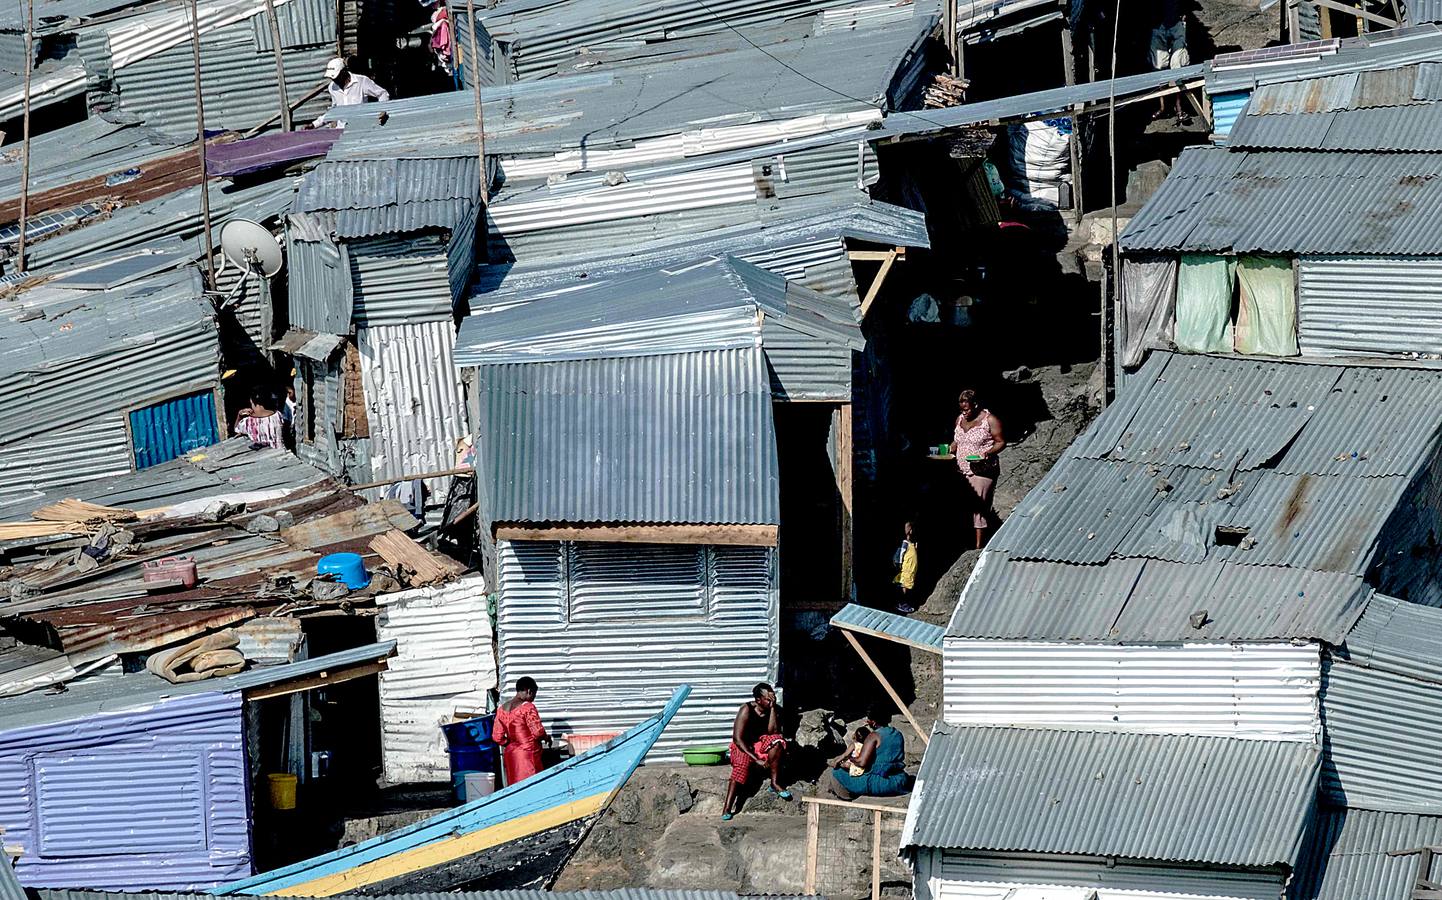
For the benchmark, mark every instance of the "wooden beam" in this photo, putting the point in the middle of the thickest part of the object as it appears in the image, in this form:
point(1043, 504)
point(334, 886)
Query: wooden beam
point(1357, 11)
point(813, 842)
point(886, 686)
point(876, 255)
point(845, 475)
point(875, 855)
point(899, 810)
point(876, 282)
point(730, 535)
point(322, 679)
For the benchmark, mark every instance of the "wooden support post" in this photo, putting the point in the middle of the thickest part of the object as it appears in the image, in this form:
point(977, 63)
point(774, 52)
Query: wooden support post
point(473, 62)
point(886, 685)
point(25, 133)
point(880, 279)
point(876, 854)
point(285, 122)
point(1068, 56)
point(813, 846)
point(200, 143)
point(1076, 163)
point(845, 473)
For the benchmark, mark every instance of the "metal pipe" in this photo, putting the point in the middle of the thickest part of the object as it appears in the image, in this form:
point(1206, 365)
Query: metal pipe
point(474, 63)
point(25, 132)
point(200, 142)
point(285, 122)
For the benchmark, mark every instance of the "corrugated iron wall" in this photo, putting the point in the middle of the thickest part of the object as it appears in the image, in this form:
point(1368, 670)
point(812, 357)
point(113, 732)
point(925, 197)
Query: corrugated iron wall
point(413, 397)
point(320, 384)
point(444, 665)
point(162, 431)
point(958, 876)
point(1383, 740)
point(321, 290)
point(820, 265)
point(150, 799)
point(1369, 305)
point(303, 23)
point(1238, 690)
point(400, 279)
point(239, 78)
point(98, 449)
point(608, 630)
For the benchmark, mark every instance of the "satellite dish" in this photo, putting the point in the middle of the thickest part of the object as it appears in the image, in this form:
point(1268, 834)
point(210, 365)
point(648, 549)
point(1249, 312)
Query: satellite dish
point(250, 246)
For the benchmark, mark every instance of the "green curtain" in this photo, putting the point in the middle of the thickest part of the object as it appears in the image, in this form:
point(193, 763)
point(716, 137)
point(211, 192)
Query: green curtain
point(1267, 309)
point(1204, 304)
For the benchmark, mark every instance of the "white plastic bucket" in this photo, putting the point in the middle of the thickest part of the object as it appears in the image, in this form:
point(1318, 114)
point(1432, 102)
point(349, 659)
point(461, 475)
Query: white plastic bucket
point(479, 784)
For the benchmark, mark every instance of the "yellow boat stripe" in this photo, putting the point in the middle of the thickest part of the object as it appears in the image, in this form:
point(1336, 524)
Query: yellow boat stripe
point(440, 852)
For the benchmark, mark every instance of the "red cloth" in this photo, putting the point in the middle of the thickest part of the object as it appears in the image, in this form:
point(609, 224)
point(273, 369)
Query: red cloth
point(518, 732)
point(741, 763)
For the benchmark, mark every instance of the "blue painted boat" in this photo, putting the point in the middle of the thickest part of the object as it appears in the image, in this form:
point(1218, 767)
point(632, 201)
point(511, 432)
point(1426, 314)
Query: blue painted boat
point(519, 837)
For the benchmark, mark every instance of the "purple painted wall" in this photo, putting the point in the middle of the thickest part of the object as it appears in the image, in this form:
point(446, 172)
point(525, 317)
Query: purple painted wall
point(152, 798)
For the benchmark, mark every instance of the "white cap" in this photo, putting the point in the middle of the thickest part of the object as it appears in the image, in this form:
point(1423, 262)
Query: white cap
point(334, 67)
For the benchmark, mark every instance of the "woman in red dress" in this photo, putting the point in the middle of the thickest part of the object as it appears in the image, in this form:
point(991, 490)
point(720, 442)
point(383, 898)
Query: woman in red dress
point(519, 733)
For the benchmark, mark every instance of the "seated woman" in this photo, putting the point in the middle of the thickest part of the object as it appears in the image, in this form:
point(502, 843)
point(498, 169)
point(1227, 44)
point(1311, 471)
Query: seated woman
point(882, 760)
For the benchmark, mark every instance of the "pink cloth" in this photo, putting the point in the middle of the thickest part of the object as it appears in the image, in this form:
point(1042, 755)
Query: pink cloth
point(973, 441)
point(441, 32)
point(264, 431)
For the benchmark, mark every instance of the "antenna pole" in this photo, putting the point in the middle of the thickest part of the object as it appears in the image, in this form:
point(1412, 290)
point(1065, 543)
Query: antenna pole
point(285, 123)
point(200, 142)
point(474, 64)
point(25, 132)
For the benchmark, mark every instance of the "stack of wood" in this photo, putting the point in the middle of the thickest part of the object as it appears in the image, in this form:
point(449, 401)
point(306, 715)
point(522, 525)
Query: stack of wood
point(945, 90)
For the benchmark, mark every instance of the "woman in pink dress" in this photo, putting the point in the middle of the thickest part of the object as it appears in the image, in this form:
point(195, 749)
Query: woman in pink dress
point(519, 733)
point(976, 440)
point(261, 424)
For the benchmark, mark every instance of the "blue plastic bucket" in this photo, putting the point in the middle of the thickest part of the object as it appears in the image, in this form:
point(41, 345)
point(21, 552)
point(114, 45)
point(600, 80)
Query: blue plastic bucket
point(348, 568)
point(471, 748)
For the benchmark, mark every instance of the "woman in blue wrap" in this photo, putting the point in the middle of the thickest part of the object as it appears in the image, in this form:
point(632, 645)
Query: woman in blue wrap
point(883, 757)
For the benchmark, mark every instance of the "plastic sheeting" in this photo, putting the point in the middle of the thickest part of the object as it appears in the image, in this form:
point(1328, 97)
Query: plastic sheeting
point(1267, 311)
point(1204, 304)
point(1149, 306)
point(1040, 158)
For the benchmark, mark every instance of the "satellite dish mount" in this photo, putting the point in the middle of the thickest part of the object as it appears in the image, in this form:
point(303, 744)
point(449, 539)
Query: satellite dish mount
point(252, 248)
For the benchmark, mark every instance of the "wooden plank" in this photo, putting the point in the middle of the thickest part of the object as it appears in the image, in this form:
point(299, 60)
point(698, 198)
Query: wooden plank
point(400, 551)
point(886, 685)
point(858, 804)
point(876, 856)
point(813, 841)
point(877, 282)
point(845, 475)
point(876, 255)
point(1358, 12)
point(730, 535)
point(314, 681)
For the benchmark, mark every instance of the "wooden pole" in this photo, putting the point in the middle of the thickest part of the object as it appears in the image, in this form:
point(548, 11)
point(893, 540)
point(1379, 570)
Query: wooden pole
point(473, 62)
point(876, 854)
point(949, 23)
point(845, 489)
point(886, 686)
point(200, 142)
point(25, 132)
point(813, 846)
point(1116, 243)
point(464, 470)
point(285, 121)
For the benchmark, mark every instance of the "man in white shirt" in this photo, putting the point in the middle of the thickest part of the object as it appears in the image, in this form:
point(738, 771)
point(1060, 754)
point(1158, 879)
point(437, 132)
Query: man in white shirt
point(347, 89)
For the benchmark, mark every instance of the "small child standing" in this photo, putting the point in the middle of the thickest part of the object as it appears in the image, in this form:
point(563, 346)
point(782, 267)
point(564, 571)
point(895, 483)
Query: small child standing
point(905, 563)
point(858, 740)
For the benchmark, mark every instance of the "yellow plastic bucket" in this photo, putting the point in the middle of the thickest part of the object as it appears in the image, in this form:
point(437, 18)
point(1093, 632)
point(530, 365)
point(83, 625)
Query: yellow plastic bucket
point(282, 790)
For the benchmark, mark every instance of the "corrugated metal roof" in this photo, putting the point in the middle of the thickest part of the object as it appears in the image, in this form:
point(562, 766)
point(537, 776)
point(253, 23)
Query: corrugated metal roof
point(1379, 50)
point(725, 83)
point(1396, 636)
point(618, 894)
point(1349, 857)
point(1259, 492)
point(390, 196)
point(1294, 202)
point(772, 244)
point(1139, 796)
point(709, 453)
point(915, 632)
point(1147, 601)
point(1402, 128)
point(1417, 12)
point(1036, 105)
